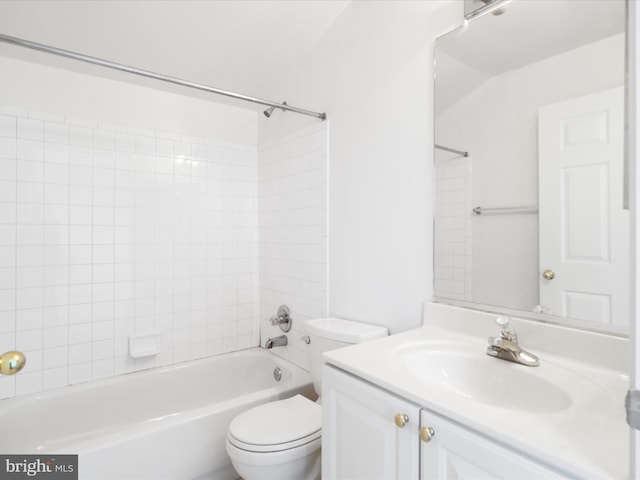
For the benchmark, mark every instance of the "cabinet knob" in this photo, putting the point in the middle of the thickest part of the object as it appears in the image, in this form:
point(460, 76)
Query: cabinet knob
point(426, 434)
point(401, 419)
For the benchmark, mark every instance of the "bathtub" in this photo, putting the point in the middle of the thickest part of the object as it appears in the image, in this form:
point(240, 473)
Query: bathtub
point(166, 423)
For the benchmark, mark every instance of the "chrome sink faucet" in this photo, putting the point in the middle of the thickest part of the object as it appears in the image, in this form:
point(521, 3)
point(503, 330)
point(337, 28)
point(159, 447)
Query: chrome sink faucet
point(506, 345)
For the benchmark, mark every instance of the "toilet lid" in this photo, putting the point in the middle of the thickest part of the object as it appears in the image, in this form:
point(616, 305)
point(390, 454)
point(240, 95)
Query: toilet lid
point(279, 422)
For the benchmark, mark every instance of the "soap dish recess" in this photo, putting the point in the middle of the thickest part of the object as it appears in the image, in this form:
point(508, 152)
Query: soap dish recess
point(144, 344)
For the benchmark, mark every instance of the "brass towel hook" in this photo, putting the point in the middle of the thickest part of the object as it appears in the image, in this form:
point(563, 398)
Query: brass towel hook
point(12, 362)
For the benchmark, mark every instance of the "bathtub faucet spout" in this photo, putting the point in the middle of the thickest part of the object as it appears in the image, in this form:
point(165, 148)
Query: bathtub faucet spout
point(276, 341)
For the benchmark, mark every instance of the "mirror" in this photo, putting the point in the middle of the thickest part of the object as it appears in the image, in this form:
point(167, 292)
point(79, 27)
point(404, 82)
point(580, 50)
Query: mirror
point(529, 161)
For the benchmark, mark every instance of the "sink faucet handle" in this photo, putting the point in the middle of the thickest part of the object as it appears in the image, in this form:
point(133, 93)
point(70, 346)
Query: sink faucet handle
point(503, 321)
point(506, 329)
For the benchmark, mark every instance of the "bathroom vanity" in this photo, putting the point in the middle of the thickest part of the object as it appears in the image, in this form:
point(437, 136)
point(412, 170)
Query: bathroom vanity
point(429, 404)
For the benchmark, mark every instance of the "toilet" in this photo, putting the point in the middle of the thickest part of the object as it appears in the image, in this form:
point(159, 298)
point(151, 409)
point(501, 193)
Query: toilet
point(281, 440)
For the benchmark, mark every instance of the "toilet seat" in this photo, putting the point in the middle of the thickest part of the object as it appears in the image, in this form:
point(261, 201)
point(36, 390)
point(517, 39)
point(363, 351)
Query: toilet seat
point(277, 426)
point(252, 447)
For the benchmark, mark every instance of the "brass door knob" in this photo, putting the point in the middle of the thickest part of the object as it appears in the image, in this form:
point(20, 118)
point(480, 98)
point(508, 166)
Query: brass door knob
point(548, 274)
point(426, 434)
point(12, 362)
point(401, 419)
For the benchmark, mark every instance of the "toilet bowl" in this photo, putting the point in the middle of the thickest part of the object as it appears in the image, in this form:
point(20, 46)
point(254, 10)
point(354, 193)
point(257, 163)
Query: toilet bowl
point(281, 440)
point(277, 441)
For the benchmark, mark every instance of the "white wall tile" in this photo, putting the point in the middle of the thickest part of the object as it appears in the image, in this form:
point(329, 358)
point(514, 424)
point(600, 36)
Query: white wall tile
point(30, 171)
point(80, 175)
point(55, 295)
point(30, 129)
point(31, 319)
point(107, 229)
point(56, 316)
point(56, 153)
point(56, 173)
point(80, 254)
point(8, 169)
point(80, 156)
point(8, 147)
point(80, 135)
point(102, 311)
point(79, 313)
point(80, 195)
point(55, 377)
point(79, 373)
point(103, 368)
point(30, 214)
point(56, 357)
point(28, 382)
point(7, 191)
point(8, 126)
point(30, 150)
point(55, 337)
point(292, 205)
point(125, 142)
point(29, 339)
point(80, 294)
point(55, 132)
point(452, 244)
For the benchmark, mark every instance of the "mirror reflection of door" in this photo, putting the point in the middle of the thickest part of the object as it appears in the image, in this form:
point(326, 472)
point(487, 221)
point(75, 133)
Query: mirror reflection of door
point(584, 230)
point(493, 77)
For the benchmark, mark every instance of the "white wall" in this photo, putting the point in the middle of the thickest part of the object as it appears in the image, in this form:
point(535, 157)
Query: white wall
point(53, 90)
point(122, 210)
point(503, 143)
point(372, 73)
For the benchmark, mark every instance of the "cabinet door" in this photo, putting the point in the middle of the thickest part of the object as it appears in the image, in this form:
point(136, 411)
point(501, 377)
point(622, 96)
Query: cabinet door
point(455, 453)
point(360, 438)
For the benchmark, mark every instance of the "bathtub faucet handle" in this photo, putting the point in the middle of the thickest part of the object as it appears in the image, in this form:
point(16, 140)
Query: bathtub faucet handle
point(282, 318)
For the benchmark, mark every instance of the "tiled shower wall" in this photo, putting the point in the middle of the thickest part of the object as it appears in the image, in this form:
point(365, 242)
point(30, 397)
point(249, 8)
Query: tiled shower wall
point(292, 190)
point(108, 230)
point(452, 215)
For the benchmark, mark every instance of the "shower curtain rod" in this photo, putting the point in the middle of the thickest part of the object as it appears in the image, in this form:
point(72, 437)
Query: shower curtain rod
point(156, 76)
point(452, 150)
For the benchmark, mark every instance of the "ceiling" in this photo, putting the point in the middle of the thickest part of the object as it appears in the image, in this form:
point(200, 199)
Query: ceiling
point(527, 32)
point(244, 46)
point(532, 30)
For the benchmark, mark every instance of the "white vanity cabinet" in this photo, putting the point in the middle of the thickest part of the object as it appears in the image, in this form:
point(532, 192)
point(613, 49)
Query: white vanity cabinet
point(369, 433)
point(360, 438)
point(454, 452)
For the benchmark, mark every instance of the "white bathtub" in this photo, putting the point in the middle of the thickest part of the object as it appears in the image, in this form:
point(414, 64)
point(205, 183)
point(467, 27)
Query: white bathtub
point(167, 423)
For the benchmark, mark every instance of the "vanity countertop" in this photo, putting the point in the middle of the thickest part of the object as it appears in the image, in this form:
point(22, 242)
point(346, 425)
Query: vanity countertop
point(580, 429)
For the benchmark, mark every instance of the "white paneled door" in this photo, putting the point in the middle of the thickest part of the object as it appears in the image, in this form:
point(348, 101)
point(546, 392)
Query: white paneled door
point(584, 230)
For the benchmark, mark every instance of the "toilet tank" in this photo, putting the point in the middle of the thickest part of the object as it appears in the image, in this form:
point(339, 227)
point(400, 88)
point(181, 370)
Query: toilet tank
point(331, 333)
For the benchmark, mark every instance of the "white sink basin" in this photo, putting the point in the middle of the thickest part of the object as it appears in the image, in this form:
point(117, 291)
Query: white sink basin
point(479, 377)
